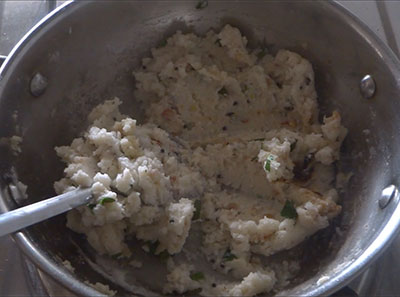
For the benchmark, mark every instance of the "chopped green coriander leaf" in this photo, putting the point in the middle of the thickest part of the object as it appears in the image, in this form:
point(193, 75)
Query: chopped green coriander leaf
point(218, 42)
point(289, 211)
point(164, 255)
point(197, 210)
point(223, 91)
point(104, 200)
point(228, 256)
point(202, 4)
point(152, 246)
point(267, 163)
point(261, 54)
point(197, 276)
point(91, 205)
point(245, 88)
point(163, 43)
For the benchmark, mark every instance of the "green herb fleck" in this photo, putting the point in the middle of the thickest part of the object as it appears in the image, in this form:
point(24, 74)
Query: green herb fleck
point(218, 42)
point(228, 256)
point(223, 91)
point(197, 276)
point(289, 211)
point(261, 54)
point(106, 200)
point(197, 210)
point(267, 164)
point(163, 43)
point(152, 246)
point(245, 88)
point(91, 206)
point(164, 256)
point(202, 4)
point(293, 145)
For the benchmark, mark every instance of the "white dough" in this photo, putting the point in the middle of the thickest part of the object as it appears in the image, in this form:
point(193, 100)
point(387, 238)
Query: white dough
point(228, 127)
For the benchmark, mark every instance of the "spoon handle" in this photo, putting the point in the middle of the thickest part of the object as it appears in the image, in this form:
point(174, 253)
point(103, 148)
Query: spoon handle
point(34, 213)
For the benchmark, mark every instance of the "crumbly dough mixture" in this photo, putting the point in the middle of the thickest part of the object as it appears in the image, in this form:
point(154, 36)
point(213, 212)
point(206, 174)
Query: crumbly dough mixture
point(231, 142)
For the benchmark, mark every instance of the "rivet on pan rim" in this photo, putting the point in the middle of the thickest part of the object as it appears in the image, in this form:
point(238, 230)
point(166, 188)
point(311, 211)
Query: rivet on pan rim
point(367, 86)
point(388, 194)
point(38, 84)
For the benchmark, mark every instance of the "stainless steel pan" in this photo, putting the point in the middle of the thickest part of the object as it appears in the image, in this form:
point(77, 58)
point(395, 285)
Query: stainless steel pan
point(87, 50)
